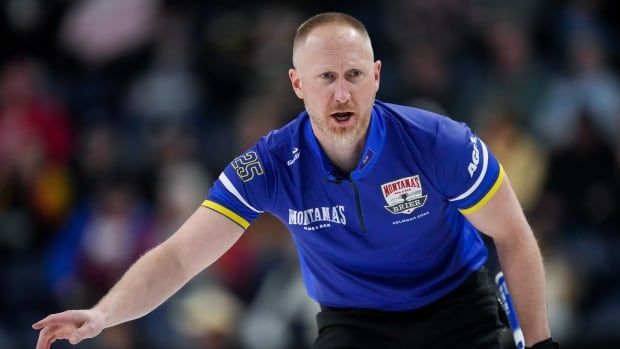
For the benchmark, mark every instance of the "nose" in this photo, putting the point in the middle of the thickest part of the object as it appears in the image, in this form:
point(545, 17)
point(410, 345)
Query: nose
point(342, 94)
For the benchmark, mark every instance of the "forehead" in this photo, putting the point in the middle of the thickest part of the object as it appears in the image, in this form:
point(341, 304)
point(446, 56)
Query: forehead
point(333, 42)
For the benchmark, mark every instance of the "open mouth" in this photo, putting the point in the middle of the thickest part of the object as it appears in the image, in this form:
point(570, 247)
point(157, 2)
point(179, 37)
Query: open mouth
point(342, 116)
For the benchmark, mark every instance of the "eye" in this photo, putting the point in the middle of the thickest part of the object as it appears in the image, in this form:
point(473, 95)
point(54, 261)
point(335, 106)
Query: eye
point(355, 73)
point(328, 76)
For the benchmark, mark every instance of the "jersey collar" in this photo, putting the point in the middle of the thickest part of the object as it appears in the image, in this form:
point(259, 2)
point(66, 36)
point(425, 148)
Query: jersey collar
point(372, 148)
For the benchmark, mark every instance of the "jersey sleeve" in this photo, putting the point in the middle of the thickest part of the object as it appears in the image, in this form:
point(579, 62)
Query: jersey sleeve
point(467, 171)
point(241, 192)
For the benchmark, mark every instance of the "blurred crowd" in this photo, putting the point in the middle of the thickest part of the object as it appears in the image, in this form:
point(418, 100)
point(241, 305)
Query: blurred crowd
point(116, 116)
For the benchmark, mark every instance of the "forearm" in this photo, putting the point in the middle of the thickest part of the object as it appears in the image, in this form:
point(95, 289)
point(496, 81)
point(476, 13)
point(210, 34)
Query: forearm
point(523, 268)
point(147, 284)
point(200, 241)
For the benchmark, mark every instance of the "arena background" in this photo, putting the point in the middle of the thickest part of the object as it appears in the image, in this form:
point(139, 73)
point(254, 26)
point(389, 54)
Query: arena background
point(116, 115)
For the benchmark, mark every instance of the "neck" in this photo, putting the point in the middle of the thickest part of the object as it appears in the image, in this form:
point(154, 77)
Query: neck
point(343, 157)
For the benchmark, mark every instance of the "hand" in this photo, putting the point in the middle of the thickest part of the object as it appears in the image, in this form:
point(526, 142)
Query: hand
point(73, 325)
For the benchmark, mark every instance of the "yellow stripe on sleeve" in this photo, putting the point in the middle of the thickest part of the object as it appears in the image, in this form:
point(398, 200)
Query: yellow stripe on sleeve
point(226, 212)
point(489, 195)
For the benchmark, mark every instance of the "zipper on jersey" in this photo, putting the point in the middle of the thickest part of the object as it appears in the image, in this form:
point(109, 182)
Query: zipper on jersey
point(356, 195)
point(358, 205)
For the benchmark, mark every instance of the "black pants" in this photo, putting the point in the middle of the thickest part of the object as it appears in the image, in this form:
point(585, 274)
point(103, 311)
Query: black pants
point(468, 317)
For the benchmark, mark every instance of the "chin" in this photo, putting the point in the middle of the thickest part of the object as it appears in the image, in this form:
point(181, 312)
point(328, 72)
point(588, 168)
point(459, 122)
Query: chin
point(344, 136)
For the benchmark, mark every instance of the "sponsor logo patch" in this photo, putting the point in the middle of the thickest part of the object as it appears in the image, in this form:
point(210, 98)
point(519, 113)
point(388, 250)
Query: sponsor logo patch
point(318, 217)
point(296, 155)
point(403, 195)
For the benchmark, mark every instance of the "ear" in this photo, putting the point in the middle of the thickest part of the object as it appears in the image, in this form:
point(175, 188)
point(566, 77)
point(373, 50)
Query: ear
point(377, 74)
point(296, 82)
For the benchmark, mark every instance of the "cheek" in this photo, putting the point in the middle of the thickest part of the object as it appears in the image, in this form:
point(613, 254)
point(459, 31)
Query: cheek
point(317, 96)
point(366, 92)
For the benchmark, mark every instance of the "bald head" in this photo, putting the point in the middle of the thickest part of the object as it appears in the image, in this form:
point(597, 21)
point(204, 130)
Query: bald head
point(336, 20)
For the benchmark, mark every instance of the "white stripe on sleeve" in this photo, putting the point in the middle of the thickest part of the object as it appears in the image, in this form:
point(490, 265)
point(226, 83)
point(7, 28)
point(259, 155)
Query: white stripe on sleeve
point(485, 160)
point(231, 188)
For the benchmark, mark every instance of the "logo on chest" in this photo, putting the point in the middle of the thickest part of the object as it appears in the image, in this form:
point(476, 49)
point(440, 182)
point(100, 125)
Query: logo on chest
point(403, 195)
point(317, 217)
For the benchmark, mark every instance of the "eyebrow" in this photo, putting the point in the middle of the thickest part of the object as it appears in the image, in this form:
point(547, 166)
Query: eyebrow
point(329, 70)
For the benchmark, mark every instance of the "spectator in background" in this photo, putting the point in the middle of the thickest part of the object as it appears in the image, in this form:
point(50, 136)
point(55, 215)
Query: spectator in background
point(104, 235)
point(107, 230)
point(583, 177)
point(87, 29)
point(98, 160)
point(272, 37)
point(581, 200)
point(517, 151)
point(588, 85)
point(35, 147)
point(514, 78)
point(36, 144)
point(425, 73)
point(168, 93)
point(423, 63)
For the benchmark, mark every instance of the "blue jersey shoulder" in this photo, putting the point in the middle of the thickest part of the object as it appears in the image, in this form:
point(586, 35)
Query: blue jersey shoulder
point(424, 126)
point(280, 146)
point(459, 161)
point(249, 184)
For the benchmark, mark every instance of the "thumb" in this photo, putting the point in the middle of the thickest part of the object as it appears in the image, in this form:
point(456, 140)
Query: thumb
point(87, 330)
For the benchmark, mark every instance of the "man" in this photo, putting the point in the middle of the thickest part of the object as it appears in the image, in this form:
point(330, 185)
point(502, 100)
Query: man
point(381, 201)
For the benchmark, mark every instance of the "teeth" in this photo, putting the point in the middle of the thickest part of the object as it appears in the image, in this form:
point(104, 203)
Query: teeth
point(344, 116)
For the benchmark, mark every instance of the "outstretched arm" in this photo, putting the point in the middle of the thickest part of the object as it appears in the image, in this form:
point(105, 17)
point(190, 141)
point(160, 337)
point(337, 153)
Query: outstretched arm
point(502, 219)
point(199, 242)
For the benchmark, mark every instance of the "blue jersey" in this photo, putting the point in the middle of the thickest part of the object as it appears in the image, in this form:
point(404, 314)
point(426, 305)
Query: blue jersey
point(390, 235)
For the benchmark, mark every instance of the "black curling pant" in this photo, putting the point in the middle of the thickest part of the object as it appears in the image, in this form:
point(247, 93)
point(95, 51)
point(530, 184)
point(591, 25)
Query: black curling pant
point(468, 317)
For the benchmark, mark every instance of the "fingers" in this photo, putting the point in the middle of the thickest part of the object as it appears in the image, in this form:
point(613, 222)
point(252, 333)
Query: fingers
point(40, 324)
point(40, 340)
point(74, 325)
point(54, 319)
point(88, 330)
point(50, 334)
point(49, 342)
point(57, 326)
point(46, 337)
